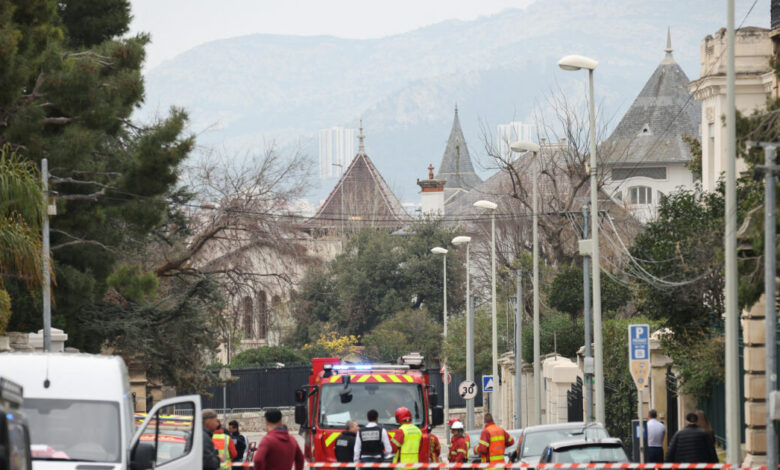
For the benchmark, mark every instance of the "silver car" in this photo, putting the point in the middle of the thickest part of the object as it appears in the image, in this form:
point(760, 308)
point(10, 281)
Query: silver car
point(607, 450)
point(534, 439)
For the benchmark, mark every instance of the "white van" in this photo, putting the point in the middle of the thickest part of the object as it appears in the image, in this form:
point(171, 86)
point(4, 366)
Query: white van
point(80, 413)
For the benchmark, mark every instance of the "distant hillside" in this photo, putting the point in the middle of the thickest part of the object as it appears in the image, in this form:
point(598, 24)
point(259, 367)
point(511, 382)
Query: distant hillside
point(255, 89)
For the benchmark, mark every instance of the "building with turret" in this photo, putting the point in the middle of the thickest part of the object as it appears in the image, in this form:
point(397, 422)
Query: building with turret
point(647, 155)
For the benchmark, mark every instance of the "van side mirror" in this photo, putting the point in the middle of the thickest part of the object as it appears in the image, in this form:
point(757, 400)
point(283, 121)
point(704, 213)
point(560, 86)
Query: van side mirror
point(300, 415)
point(300, 395)
point(142, 456)
point(437, 416)
point(433, 399)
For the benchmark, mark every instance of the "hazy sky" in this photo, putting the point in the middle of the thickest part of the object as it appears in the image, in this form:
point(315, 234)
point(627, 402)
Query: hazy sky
point(178, 25)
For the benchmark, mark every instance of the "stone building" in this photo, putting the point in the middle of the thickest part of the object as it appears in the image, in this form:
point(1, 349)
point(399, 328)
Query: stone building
point(647, 156)
point(754, 82)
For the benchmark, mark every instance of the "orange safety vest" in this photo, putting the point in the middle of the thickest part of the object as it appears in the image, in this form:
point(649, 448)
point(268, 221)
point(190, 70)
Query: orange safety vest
point(497, 443)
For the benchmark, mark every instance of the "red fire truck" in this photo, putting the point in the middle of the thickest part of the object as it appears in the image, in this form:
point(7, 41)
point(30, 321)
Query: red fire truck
point(338, 392)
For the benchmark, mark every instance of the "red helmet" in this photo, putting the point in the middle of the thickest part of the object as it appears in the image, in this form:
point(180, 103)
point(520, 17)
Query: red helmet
point(403, 415)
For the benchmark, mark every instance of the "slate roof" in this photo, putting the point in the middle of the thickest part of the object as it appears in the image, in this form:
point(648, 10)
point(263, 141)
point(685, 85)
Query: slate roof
point(368, 200)
point(456, 166)
point(651, 130)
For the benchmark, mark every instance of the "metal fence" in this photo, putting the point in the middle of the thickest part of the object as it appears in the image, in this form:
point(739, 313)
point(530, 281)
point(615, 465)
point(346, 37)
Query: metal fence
point(264, 387)
point(259, 388)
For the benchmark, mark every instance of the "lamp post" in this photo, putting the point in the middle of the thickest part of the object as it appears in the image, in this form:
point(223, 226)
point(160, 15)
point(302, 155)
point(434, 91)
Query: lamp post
point(534, 149)
point(457, 241)
point(442, 251)
point(570, 63)
point(492, 206)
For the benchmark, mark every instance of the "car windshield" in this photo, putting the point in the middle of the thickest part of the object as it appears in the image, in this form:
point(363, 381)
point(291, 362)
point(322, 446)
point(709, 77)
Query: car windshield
point(535, 442)
point(336, 407)
point(73, 430)
point(590, 454)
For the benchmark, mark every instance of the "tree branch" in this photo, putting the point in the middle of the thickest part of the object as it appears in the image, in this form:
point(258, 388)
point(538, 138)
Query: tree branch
point(78, 241)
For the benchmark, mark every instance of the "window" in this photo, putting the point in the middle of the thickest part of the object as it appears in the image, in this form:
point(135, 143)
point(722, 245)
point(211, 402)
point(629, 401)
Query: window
point(640, 195)
point(656, 173)
point(262, 314)
point(246, 312)
point(166, 437)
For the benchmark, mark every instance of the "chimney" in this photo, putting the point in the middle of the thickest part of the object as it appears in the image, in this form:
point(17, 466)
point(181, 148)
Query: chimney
point(432, 195)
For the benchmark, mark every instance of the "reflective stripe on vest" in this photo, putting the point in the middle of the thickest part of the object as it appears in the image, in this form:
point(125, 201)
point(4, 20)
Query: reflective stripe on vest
point(410, 449)
point(222, 443)
point(331, 438)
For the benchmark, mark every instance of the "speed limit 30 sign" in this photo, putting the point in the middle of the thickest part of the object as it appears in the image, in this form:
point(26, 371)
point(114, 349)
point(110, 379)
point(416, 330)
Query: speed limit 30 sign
point(467, 390)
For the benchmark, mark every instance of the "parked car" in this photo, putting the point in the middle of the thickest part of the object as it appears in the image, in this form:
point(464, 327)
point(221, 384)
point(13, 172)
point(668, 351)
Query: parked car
point(532, 440)
point(606, 450)
point(14, 434)
point(474, 438)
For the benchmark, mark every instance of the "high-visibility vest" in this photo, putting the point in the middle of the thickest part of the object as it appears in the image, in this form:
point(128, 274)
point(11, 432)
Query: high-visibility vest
point(497, 443)
point(410, 449)
point(222, 444)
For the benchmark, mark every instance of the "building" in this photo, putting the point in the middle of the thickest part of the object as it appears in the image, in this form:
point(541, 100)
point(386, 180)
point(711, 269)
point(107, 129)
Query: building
point(754, 82)
point(456, 167)
point(646, 156)
point(360, 199)
point(431, 195)
point(512, 132)
point(336, 146)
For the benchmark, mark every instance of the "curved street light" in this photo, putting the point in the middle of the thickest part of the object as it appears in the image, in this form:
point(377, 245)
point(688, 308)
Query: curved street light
point(443, 251)
point(457, 241)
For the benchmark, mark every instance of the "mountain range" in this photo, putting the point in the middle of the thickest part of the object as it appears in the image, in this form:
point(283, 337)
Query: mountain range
point(245, 92)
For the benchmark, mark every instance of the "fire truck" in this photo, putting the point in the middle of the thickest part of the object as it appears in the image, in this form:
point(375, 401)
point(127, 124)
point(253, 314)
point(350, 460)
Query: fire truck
point(338, 392)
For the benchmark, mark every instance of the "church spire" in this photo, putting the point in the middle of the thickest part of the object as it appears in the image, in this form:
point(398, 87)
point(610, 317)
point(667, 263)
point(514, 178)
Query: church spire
point(669, 59)
point(361, 146)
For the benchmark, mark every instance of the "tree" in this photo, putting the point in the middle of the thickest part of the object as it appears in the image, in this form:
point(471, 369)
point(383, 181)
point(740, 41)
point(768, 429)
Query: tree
point(410, 330)
point(21, 213)
point(565, 293)
point(557, 333)
point(455, 347)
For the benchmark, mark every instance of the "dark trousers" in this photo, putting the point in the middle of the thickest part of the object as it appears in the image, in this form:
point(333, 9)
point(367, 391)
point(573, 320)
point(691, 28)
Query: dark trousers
point(370, 459)
point(655, 455)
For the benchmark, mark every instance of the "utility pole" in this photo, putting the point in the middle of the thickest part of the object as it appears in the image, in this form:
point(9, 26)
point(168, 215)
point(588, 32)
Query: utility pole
point(470, 358)
point(518, 398)
point(732, 378)
point(45, 257)
point(588, 366)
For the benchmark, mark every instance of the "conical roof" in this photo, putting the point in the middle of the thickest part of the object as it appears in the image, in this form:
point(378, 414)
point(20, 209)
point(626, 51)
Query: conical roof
point(652, 129)
point(456, 165)
point(361, 198)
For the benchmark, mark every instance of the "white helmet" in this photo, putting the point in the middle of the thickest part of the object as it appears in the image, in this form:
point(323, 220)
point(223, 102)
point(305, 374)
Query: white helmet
point(457, 425)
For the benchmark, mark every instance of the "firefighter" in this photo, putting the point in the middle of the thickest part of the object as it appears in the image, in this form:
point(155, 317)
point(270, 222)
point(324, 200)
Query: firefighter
point(493, 441)
point(434, 448)
point(225, 447)
point(459, 447)
point(406, 441)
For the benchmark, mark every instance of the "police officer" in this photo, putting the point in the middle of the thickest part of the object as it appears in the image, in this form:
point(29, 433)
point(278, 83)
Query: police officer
point(406, 441)
point(493, 441)
point(345, 443)
point(372, 441)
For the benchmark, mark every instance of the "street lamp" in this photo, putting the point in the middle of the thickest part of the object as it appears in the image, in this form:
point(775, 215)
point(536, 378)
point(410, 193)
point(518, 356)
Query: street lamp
point(534, 149)
point(492, 206)
point(457, 241)
point(576, 62)
point(442, 251)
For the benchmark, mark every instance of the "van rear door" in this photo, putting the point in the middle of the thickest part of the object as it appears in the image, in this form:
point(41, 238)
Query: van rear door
point(171, 436)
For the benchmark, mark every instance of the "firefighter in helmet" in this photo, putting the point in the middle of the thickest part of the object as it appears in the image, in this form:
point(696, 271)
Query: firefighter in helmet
point(406, 441)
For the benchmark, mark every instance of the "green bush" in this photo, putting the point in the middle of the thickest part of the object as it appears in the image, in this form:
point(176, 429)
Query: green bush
point(267, 356)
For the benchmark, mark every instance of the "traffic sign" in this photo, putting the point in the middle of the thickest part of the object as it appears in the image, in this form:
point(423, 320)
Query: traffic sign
point(467, 390)
point(639, 353)
point(487, 383)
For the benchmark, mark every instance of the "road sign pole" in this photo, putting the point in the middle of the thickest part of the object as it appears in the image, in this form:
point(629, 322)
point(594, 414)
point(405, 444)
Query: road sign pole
point(641, 430)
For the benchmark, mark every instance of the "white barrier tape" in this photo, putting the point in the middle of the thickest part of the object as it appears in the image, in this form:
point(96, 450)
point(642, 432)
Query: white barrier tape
point(639, 466)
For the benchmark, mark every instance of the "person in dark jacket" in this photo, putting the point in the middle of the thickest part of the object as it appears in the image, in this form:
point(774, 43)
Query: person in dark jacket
point(278, 450)
point(691, 444)
point(345, 444)
point(239, 439)
point(210, 455)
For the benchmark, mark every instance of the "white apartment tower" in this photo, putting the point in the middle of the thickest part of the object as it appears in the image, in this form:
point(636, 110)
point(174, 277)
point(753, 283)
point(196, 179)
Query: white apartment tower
point(336, 147)
point(512, 132)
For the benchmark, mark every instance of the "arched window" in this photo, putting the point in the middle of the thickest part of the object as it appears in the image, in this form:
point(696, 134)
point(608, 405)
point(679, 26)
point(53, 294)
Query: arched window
point(262, 314)
point(640, 195)
point(247, 312)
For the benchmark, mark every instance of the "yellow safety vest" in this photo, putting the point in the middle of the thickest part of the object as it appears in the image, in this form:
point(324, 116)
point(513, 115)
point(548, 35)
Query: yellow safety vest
point(222, 443)
point(410, 449)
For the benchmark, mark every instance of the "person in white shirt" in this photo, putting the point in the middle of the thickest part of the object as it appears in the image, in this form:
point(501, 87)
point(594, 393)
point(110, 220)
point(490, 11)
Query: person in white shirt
point(372, 442)
point(655, 438)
